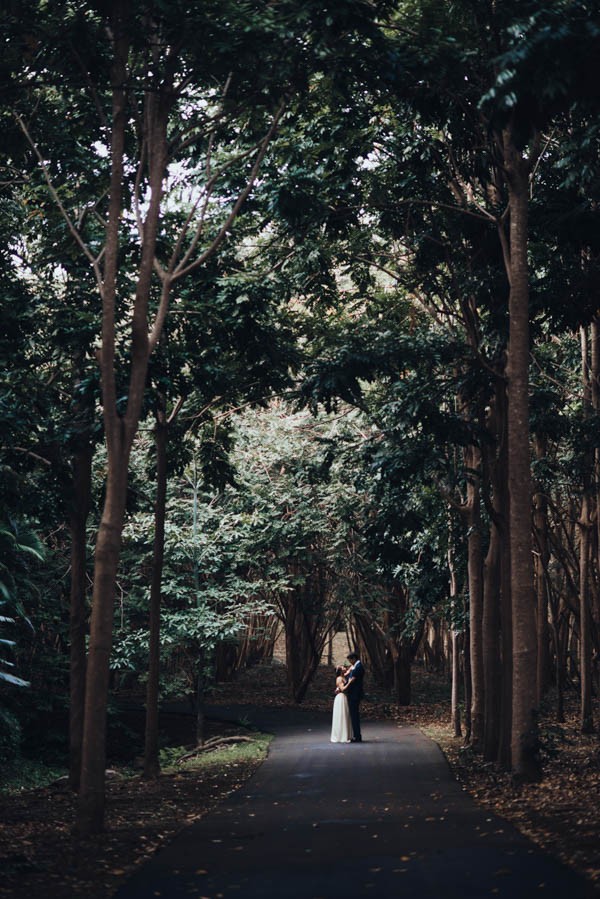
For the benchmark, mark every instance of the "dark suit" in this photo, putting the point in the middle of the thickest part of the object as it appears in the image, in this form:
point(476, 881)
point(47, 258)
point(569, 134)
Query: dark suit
point(354, 692)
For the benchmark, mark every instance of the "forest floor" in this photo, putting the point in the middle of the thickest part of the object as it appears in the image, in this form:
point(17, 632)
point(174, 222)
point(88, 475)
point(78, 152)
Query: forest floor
point(39, 854)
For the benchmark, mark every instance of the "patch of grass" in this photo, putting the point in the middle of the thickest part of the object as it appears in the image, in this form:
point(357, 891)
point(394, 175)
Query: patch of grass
point(27, 774)
point(232, 753)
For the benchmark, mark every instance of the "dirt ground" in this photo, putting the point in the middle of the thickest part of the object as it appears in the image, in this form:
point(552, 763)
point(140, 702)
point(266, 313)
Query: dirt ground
point(39, 855)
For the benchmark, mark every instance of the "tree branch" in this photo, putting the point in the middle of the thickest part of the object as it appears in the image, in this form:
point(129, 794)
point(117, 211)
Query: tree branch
point(93, 260)
point(183, 269)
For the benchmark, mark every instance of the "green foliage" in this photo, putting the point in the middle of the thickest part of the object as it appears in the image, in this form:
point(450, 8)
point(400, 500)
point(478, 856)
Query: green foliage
point(548, 64)
point(364, 273)
point(19, 545)
point(29, 774)
point(10, 739)
point(235, 554)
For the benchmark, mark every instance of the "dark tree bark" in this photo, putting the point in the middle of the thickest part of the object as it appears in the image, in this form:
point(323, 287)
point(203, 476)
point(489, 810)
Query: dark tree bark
point(455, 700)
point(595, 398)
point(374, 649)
point(467, 682)
point(585, 525)
point(495, 584)
point(506, 641)
point(200, 699)
point(475, 574)
point(559, 658)
point(455, 638)
point(542, 558)
point(256, 645)
point(491, 645)
point(151, 762)
point(82, 487)
point(307, 626)
point(524, 741)
point(402, 662)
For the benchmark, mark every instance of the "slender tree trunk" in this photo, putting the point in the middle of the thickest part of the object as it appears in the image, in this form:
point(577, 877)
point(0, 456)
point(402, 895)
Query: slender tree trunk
point(495, 473)
point(506, 638)
point(585, 643)
point(595, 398)
point(585, 527)
point(475, 574)
point(455, 635)
point(201, 698)
point(375, 649)
point(499, 662)
point(306, 631)
point(90, 811)
point(82, 486)
point(151, 762)
point(542, 557)
point(120, 429)
point(402, 673)
point(524, 742)
point(559, 663)
point(491, 645)
point(108, 545)
point(455, 706)
point(467, 681)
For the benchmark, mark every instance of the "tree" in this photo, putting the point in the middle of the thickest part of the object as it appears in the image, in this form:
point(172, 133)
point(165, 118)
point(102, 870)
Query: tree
point(155, 107)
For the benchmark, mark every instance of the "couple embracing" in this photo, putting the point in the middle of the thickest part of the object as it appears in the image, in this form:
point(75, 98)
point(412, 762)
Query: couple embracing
point(345, 726)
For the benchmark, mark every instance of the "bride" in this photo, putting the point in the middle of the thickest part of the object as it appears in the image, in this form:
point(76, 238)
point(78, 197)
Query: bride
point(340, 725)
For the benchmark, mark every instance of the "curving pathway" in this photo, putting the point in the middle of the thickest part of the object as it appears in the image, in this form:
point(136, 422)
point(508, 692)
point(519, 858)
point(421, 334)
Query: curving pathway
point(384, 818)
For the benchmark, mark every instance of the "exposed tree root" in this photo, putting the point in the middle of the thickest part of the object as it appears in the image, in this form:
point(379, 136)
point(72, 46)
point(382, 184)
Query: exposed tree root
point(214, 743)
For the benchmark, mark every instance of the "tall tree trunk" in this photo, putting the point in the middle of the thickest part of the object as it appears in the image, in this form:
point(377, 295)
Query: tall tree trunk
point(307, 626)
point(151, 762)
point(455, 635)
point(585, 527)
point(595, 397)
point(455, 702)
point(491, 645)
point(542, 558)
point(467, 681)
point(120, 429)
point(559, 659)
point(402, 659)
point(200, 702)
point(497, 598)
point(524, 741)
point(475, 575)
point(375, 650)
point(90, 811)
point(495, 585)
point(585, 643)
point(506, 635)
point(82, 487)
point(108, 545)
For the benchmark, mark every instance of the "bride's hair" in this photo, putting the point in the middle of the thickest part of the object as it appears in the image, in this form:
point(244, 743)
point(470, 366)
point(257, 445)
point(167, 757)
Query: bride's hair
point(339, 671)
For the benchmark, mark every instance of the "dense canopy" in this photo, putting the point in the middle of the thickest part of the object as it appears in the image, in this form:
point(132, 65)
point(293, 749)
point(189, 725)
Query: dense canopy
point(300, 335)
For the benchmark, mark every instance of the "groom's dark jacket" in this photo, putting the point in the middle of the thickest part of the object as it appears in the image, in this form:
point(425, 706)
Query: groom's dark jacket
point(355, 686)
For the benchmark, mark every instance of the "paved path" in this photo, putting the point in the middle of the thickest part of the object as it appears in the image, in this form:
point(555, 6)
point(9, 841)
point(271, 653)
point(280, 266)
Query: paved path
point(383, 819)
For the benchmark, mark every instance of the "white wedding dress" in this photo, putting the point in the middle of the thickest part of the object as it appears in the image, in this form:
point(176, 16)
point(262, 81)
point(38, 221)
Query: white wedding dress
point(340, 726)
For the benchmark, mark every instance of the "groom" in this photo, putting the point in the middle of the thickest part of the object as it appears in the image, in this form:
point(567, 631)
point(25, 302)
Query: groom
point(354, 692)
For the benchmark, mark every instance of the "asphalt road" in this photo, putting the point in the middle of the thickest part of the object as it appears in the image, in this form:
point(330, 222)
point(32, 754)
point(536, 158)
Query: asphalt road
point(383, 818)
